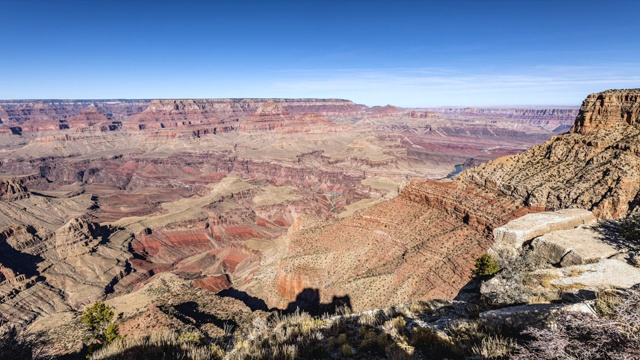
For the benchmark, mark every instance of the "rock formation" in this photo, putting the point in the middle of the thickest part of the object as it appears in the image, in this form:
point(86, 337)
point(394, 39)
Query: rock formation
point(596, 166)
point(272, 199)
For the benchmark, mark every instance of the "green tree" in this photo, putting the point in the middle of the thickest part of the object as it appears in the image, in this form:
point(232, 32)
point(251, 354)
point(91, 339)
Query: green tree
point(98, 317)
point(485, 266)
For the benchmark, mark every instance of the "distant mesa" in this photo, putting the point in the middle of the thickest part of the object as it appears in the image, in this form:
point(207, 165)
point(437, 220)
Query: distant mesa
point(270, 108)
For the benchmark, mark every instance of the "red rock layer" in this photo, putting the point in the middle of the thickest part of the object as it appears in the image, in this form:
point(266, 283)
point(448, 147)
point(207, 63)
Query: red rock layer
point(421, 245)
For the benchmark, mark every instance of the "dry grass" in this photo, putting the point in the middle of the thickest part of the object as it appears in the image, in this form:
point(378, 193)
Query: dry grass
point(166, 345)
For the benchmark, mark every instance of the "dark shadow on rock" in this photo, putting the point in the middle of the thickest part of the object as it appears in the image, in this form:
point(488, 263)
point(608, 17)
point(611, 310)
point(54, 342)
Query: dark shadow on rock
point(21, 263)
point(252, 302)
point(309, 301)
point(189, 313)
point(621, 234)
point(470, 292)
point(581, 295)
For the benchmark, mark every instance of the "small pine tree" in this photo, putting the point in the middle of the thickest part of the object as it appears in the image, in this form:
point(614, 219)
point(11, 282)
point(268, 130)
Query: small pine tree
point(98, 317)
point(485, 266)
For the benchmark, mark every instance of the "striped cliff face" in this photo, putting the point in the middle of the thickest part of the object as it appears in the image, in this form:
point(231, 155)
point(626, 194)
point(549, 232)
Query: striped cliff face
point(596, 166)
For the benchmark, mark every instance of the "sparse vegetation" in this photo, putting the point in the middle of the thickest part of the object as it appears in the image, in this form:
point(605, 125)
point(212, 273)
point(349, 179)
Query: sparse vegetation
point(486, 266)
point(168, 345)
point(99, 318)
point(615, 335)
point(13, 345)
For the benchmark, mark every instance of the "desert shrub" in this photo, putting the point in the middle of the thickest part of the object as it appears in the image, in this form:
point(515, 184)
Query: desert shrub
point(485, 266)
point(157, 346)
point(521, 283)
point(346, 350)
point(584, 336)
point(189, 337)
point(494, 347)
point(342, 339)
point(98, 318)
point(372, 318)
point(606, 303)
point(397, 352)
point(433, 345)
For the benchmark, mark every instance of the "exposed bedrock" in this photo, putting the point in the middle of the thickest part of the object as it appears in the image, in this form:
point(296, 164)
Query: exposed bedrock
point(45, 273)
point(12, 189)
point(420, 245)
point(200, 116)
point(552, 119)
point(596, 166)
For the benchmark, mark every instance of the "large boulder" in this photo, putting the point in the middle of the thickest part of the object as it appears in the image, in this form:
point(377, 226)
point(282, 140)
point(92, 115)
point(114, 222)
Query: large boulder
point(577, 246)
point(605, 274)
point(510, 237)
point(523, 316)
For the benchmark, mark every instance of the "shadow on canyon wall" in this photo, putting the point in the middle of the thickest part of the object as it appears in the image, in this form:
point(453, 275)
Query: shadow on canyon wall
point(308, 300)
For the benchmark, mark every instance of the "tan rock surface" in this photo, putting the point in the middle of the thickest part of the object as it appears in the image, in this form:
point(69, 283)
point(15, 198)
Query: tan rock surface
point(577, 246)
point(605, 274)
point(523, 316)
point(515, 233)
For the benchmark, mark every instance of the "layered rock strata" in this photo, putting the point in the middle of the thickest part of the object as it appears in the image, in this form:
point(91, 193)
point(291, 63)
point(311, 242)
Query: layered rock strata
point(596, 166)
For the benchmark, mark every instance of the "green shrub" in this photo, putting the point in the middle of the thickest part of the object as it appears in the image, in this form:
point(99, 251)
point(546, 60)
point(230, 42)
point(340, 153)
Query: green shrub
point(485, 266)
point(98, 317)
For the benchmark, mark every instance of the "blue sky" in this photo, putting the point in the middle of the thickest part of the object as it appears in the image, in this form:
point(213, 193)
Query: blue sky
point(406, 53)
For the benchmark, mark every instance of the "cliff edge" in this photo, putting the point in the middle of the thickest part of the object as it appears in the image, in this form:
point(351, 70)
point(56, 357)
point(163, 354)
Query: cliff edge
point(595, 166)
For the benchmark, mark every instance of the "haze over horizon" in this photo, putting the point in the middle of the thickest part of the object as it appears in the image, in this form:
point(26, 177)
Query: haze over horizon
point(405, 53)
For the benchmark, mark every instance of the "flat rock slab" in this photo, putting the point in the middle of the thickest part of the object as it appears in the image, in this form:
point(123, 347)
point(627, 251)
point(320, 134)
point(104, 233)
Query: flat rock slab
point(577, 246)
point(522, 316)
point(607, 273)
point(516, 232)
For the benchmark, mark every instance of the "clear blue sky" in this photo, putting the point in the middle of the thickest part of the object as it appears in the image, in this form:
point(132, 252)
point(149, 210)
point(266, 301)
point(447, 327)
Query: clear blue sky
point(407, 53)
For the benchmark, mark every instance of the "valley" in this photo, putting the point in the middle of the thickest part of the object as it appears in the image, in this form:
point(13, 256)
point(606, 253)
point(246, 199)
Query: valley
point(262, 198)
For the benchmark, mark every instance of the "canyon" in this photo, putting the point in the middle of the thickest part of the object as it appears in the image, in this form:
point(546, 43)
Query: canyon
point(244, 205)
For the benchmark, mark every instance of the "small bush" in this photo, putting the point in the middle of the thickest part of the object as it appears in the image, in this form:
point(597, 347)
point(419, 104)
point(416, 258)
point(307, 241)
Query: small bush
point(98, 317)
point(342, 339)
point(485, 266)
point(189, 337)
point(493, 347)
point(583, 336)
point(346, 350)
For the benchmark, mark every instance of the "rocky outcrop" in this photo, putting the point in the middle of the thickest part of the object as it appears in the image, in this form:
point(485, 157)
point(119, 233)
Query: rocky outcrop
point(604, 111)
point(86, 118)
point(552, 254)
point(385, 111)
point(533, 315)
point(596, 166)
point(515, 233)
point(12, 189)
point(577, 246)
